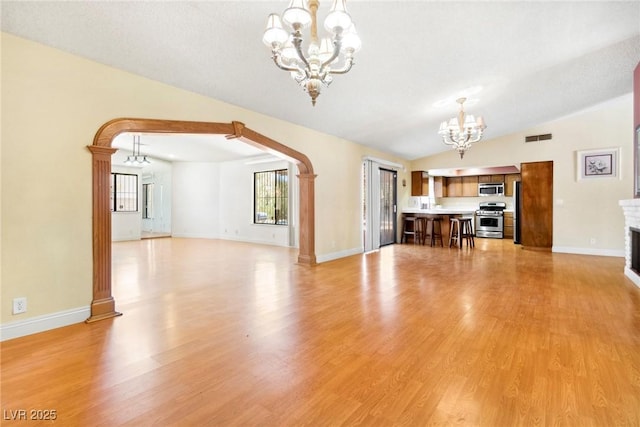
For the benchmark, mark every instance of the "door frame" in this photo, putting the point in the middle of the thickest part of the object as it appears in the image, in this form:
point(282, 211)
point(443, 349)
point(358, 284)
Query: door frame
point(103, 303)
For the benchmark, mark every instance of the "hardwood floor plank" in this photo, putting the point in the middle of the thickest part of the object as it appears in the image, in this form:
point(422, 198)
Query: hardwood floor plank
point(227, 333)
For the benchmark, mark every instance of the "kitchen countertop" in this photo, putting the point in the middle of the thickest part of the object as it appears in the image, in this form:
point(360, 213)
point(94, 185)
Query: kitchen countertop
point(438, 211)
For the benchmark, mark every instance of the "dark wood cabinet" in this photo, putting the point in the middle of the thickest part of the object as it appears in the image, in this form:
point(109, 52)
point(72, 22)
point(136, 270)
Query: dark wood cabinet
point(470, 186)
point(536, 218)
point(467, 186)
point(454, 186)
point(439, 186)
point(493, 179)
point(509, 179)
point(508, 225)
point(419, 183)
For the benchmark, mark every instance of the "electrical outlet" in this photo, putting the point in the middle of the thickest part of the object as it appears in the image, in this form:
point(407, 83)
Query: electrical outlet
point(592, 241)
point(19, 305)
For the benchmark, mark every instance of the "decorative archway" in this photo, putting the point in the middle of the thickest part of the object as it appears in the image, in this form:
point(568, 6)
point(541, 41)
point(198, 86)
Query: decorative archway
point(103, 304)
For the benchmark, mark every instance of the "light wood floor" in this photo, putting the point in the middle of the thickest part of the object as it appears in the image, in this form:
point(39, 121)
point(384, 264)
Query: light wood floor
point(153, 234)
point(218, 333)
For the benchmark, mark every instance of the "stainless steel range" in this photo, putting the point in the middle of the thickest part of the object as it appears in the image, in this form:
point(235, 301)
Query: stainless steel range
point(490, 220)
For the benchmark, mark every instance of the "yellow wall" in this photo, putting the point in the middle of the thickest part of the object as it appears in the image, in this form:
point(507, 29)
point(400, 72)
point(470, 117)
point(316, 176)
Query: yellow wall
point(583, 208)
point(52, 105)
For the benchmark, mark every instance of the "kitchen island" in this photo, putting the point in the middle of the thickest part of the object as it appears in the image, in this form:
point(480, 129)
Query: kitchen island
point(443, 213)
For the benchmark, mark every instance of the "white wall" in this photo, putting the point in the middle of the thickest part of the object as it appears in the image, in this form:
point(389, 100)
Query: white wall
point(215, 200)
point(236, 198)
point(196, 199)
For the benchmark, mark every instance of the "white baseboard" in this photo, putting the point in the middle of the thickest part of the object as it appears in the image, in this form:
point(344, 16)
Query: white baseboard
point(195, 235)
point(125, 238)
point(589, 251)
point(256, 241)
point(341, 254)
point(631, 275)
point(33, 325)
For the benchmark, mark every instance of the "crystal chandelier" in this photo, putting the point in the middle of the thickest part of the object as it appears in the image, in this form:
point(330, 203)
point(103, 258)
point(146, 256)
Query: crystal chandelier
point(462, 131)
point(332, 55)
point(136, 159)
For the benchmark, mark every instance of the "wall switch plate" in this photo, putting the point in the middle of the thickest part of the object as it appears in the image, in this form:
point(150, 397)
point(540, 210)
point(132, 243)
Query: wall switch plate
point(19, 305)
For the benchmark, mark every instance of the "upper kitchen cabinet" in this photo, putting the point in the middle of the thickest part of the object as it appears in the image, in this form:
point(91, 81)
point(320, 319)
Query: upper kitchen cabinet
point(419, 183)
point(454, 186)
point(464, 184)
point(493, 179)
point(469, 186)
point(509, 179)
point(439, 186)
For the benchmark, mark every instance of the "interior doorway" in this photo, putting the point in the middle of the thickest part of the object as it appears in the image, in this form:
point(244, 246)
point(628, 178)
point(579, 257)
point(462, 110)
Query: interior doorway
point(379, 205)
point(103, 304)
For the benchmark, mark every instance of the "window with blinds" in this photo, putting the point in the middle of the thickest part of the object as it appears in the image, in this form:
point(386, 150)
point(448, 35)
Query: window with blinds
point(124, 192)
point(271, 197)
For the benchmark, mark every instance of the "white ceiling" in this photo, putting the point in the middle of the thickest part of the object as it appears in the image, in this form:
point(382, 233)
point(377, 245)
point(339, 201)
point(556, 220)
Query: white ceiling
point(186, 147)
point(536, 61)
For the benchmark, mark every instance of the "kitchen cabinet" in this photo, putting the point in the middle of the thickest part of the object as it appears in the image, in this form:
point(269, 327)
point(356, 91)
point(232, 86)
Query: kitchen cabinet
point(492, 179)
point(509, 179)
point(467, 186)
point(536, 219)
point(439, 186)
point(470, 186)
point(454, 186)
point(508, 225)
point(419, 183)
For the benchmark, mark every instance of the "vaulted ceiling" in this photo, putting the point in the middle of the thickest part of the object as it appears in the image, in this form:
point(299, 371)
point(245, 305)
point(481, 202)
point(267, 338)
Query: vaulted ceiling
point(535, 61)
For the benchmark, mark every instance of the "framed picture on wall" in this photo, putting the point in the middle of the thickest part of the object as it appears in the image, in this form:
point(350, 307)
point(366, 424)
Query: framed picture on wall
point(598, 163)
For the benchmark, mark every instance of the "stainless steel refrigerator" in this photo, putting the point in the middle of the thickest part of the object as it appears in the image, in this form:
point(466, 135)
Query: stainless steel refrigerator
point(517, 210)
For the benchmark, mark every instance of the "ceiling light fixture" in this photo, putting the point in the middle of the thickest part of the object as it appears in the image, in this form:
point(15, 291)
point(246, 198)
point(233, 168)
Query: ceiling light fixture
point(135, 159)
point(315, 69)
point(465, 93)
point(462, 131)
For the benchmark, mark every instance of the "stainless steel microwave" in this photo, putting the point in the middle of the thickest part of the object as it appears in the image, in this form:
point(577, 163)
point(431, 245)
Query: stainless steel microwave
point(491, 189)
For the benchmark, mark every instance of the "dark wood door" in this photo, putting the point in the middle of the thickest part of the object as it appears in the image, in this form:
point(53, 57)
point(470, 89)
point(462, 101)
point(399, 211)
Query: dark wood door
point(536, 224)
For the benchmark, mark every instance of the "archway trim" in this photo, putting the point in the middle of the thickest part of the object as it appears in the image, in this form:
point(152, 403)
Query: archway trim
point(103, 303)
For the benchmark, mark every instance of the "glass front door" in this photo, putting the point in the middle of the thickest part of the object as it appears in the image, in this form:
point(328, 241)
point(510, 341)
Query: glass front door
point(388, 194)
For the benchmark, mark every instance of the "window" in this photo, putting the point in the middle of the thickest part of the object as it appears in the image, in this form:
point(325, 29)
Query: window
point(271, 197)
point(124, 192)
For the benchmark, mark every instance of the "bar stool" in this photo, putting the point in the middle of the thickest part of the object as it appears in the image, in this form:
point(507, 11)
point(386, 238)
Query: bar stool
point(455, 235)
point(408, 229)
point(436, 232)
point(466, 231)
point(421, 230)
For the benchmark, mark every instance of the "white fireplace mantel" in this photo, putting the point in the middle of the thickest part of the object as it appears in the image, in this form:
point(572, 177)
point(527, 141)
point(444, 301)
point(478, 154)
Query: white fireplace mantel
point(631, 209)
